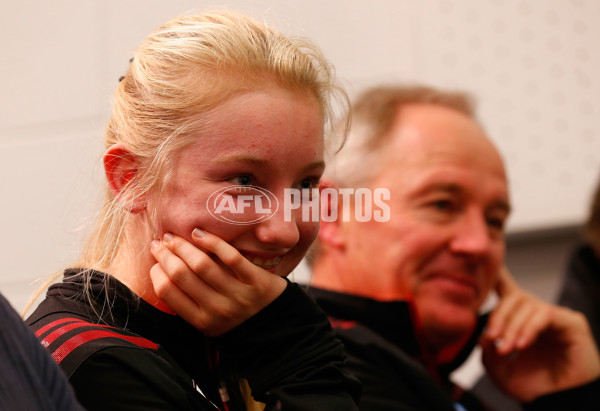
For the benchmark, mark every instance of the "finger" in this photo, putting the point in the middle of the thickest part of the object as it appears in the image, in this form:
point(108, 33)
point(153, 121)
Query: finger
point(234, 295)
point(182, 276)
point(177, 270)
point(506, 283)
point(200, 265)
point(515, 326)
point(237, 263)
point(536, 323)
point(576, 332)
point(212, 315)
point(170, 294)
point(501, 315)
point(259, 287)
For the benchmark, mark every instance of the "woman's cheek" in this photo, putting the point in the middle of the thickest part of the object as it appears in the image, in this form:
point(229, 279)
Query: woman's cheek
point(226, 232)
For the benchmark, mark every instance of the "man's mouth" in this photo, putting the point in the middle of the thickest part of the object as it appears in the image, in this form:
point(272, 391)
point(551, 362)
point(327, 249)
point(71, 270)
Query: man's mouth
point(456, 284)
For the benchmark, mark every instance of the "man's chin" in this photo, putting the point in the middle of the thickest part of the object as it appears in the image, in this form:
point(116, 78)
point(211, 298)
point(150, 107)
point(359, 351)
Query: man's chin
point(447, 321)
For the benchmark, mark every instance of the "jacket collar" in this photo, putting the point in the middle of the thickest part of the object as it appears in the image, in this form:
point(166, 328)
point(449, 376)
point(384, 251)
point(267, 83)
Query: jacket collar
point(395, 321)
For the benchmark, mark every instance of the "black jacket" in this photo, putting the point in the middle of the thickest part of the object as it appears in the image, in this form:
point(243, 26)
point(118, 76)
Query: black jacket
point(385, 354)
point(121, 353)
point(581, 286)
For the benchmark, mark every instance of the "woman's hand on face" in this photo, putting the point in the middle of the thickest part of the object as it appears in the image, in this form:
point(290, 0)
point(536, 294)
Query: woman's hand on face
point(210, 284)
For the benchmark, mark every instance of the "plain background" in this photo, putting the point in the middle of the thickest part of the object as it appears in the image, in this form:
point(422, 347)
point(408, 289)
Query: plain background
point(532, 64)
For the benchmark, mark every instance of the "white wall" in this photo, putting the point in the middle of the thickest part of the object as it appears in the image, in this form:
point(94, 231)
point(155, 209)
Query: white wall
point(533, 64)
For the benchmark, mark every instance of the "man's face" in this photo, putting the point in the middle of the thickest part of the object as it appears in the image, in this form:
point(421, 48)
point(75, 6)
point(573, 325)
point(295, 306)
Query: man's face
point(444, 244)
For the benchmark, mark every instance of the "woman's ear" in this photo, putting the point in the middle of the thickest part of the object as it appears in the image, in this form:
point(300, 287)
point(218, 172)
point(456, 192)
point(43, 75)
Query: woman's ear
point(331, 234)
point(120, 167)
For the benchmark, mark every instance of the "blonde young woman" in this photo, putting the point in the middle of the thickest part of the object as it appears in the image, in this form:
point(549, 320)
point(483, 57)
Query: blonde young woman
point(171, 307)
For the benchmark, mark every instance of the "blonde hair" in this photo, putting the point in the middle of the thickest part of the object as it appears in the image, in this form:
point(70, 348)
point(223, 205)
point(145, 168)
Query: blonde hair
point(187, 67)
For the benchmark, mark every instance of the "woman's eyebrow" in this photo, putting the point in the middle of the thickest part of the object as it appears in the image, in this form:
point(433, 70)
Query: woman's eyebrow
point(261, 162)
point(315, 165)
point(242, 158)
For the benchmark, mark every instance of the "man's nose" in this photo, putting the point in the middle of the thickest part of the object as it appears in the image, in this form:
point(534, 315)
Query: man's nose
point(472, 235)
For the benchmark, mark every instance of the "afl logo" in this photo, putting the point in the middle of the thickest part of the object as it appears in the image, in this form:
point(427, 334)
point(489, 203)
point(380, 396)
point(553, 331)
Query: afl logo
point(242, 205)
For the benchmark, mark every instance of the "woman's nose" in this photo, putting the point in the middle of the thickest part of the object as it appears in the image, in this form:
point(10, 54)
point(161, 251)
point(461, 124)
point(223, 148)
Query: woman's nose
point(279, 231)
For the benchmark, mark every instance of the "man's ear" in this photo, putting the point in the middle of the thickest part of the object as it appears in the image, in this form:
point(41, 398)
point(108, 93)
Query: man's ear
point(330, 233)
point(120, 167)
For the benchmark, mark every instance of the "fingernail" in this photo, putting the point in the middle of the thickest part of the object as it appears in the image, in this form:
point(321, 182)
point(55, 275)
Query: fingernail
point(197, 233)
point(492, 332)
point(502, 346)
point(167, 237)
point(154, 244)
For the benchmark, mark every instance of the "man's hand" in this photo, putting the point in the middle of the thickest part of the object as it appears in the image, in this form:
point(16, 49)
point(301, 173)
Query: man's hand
point(532, 348)
point(210, 284)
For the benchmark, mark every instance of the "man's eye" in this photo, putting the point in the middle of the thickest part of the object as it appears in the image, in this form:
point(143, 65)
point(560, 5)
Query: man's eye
point(497, 223)
point(443, 205)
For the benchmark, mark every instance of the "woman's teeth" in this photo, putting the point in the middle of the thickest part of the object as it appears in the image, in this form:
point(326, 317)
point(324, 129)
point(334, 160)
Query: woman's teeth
point(266, 264)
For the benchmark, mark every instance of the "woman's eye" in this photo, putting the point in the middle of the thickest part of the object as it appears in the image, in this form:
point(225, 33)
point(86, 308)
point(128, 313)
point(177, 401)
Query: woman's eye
point(243, 180)
point(309, 187)
point(309, 183)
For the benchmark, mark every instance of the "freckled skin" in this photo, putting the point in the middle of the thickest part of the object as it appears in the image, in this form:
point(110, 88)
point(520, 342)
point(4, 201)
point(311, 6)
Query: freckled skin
point(274, 138)
point(283, 132)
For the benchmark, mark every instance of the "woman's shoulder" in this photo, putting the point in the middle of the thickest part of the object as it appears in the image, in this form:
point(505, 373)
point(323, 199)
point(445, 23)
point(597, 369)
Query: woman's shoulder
point(70, 329)
point(108, 364)
point(71, 338)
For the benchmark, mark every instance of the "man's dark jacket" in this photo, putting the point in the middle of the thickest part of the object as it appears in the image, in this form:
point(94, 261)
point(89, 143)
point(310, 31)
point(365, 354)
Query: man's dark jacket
point(386, 355)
